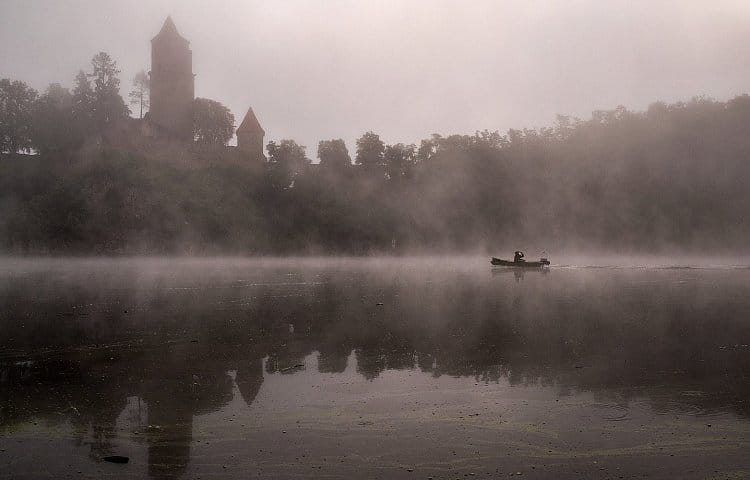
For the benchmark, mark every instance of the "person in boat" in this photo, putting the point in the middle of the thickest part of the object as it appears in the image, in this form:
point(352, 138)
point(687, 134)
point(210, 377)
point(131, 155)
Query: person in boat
point(518, 257)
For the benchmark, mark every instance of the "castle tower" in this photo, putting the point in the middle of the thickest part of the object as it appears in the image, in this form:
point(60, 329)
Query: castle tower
point(250, 136)
point(172, 83)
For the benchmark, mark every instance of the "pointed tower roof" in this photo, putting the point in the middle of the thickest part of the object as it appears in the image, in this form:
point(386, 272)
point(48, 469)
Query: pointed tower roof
point(250, 123)
point(169, 30)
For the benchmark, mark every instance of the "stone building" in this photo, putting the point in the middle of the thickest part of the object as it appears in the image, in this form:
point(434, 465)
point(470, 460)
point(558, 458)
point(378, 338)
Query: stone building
point(250, 136)
point(172, 84)
point(173, 93)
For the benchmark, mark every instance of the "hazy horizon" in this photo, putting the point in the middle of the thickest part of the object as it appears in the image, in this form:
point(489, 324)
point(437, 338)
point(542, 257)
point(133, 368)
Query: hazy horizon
point(316, 70)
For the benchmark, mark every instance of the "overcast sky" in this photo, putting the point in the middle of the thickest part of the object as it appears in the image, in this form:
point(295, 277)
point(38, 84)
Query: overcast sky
point(320, 69)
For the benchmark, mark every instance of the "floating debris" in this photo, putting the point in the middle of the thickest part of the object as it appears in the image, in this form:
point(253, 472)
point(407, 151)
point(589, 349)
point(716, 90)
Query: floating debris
point(116, 459)
point(293, 367)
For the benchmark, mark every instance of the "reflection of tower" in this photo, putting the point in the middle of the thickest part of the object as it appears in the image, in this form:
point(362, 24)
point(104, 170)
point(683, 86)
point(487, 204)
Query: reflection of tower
point(169, 438)
point(172, 83)
point(249, 379)
point(194, 386)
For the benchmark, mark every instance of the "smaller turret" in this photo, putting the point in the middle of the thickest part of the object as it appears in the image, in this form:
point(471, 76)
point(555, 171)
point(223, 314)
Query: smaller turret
point(250, 137)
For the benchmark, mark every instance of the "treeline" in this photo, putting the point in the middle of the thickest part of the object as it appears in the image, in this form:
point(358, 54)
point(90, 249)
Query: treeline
point(58, 121)
point(672, 177)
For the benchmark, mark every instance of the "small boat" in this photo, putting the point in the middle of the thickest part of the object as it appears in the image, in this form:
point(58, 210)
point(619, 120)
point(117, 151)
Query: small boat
point(498, 262)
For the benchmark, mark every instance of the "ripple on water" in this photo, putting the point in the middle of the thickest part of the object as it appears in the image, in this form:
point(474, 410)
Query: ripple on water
point(612, 412)
point(694, 403)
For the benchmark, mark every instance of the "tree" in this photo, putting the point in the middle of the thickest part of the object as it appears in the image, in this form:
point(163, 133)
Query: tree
point(139, 95)
point(399, 160)
point(370, 150)
point(286, 160)
point(83, 100)
point(108, 105)
point(333, 154)
point(213, 123)
point(428, 148)
point(52, 121)
point(16, 101)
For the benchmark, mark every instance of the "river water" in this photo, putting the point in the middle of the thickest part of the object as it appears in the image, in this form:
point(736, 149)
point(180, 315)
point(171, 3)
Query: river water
point(373, 368)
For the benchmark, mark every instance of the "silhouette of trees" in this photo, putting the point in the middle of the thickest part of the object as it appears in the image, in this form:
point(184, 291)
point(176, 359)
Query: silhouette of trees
point(108, 105)
point(52, 121)
point(16, 100)
point(399, 160)
point(672, 176)
point(96, 101)
point(286, 160)
point(333, 155)
point(139, 96)
point(427, 148)
point(213, 123)
point(83, 103)
point(370, 150)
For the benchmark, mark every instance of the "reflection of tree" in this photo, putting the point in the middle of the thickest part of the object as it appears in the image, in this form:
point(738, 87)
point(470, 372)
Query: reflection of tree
point(370, 361)
point(172, 348)
point(400, 357)
point(333, 358)
point(285, 357)
point(425, 361)
point(387, 351)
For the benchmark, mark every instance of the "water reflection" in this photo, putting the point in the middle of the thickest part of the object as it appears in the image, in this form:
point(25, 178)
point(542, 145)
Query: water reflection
point(518, 273)
point(148, 350)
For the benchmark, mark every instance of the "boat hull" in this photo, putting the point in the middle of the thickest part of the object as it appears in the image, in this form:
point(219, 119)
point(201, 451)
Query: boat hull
point(498, 262)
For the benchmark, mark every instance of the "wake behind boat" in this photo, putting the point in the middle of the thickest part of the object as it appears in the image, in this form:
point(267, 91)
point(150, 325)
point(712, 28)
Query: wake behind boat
point(518, 261)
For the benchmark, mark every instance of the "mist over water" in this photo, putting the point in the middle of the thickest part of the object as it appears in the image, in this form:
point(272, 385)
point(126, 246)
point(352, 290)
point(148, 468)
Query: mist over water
point(284, 366)
point(332, 285)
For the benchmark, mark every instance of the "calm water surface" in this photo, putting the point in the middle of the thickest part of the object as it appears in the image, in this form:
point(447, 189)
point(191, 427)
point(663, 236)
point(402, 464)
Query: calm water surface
point(395, 368)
